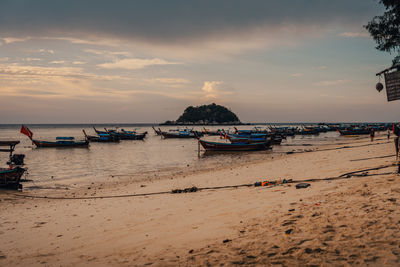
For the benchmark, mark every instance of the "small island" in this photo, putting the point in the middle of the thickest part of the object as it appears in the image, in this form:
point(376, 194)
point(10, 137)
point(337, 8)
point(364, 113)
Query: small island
point(211, 114)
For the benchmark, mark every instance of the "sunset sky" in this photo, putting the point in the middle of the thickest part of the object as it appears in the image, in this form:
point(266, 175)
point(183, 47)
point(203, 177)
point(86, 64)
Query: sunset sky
point(145, 61)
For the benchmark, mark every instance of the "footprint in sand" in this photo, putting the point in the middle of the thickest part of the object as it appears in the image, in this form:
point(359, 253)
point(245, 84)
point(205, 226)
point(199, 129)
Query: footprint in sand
point(39, 224)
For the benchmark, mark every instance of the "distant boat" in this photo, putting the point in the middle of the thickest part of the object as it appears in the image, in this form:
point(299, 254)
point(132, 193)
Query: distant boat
point(283, 131)
point(109, 131)
point(158, 132)
point(273, 139)
point(210, 132)
point(61, 142)
point(130, 135)
point(233, 146)
point(355, 131)
point(68, 142)
point(101, 138)
point(309, 131)
point(221, 146)
point(11, 176)
point(122, 134)
point(180, 133)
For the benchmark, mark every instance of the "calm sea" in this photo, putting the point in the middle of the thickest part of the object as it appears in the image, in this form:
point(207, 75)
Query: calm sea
point(130, 158)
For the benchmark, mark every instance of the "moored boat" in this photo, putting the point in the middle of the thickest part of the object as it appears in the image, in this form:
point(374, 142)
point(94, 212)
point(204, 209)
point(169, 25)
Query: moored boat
point(61, 143)
point(158, 132)
point(233, 146)
point(186, 133)
point(10, 177)
point(67, 142)
point(222, 146)
point(102, 138)
point(210, 132)
point(355, 131)
point(130, 135)
point(272, 138)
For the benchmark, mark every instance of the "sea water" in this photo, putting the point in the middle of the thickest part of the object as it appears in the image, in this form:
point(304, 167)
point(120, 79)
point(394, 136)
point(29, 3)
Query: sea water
point(130, 158)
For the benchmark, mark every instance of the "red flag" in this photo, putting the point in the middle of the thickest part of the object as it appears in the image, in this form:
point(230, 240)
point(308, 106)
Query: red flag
point(25, 130)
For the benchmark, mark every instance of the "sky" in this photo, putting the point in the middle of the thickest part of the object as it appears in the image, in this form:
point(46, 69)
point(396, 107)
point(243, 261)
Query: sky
point(100, 61)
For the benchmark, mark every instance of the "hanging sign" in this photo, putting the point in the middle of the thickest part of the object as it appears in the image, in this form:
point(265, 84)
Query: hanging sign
point(392, 81)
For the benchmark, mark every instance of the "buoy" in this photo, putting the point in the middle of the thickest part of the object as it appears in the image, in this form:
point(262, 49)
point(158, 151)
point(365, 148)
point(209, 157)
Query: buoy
point(379, 87)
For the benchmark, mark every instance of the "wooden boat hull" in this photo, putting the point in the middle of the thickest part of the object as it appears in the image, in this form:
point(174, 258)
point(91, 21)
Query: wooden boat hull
point(209, 132)
point(9, 178)
point(215, 146)
point(112, 139)
point(177, 135)
point(132, 136)
point(66, 144)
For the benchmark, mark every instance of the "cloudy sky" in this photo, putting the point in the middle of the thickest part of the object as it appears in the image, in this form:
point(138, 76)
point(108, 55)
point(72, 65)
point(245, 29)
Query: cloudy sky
point(99, 61)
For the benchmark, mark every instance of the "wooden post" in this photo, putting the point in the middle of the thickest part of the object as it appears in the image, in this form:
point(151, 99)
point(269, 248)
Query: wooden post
point(198, 148)
point(396, 143)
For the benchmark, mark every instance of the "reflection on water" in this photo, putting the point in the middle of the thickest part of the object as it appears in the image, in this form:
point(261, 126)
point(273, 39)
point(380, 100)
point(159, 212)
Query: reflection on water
point(130, 157)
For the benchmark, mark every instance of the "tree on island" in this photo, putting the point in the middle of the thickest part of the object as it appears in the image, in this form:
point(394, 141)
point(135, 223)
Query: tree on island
point(385, 29)
point(208, 114)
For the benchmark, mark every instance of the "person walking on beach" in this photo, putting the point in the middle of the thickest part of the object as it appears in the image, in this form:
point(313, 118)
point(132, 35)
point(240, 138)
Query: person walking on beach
point(372, 134)
point(396, 132)
point(388, 134)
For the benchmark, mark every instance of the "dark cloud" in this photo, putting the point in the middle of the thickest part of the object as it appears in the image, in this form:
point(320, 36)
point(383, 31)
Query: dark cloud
point(171, 20)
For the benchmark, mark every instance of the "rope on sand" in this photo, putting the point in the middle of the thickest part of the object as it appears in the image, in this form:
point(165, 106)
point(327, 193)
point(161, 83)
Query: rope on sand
point(335, 148)
point(195, 189)
point(370, 169)
point(381, 157)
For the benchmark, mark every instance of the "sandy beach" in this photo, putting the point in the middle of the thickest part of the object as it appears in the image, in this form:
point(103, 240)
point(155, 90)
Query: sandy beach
point(339, 221)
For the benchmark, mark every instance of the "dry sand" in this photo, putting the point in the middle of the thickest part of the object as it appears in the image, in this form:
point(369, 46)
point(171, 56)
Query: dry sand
point(350, 221)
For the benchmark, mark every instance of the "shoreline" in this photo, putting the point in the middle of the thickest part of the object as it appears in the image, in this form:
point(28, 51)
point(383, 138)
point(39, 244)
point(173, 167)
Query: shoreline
point(189, 228)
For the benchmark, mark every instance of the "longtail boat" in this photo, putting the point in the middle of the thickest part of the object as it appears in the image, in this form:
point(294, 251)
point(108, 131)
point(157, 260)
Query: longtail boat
point(106, 131)
point(101, 138)
point(355, 131)
point(223, 146)
point(210, 132)
point(158, 132)
point(130, 135)
point(255, 130)
point(122, 134)
point(273, 139)
point(309, 131)
point(68, 142)
point(283, 131)
point(61, 142)
point(10, 177)
point(181, 134)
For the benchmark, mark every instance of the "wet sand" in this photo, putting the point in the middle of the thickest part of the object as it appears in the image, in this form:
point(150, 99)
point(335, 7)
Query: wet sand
point(349, 221)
